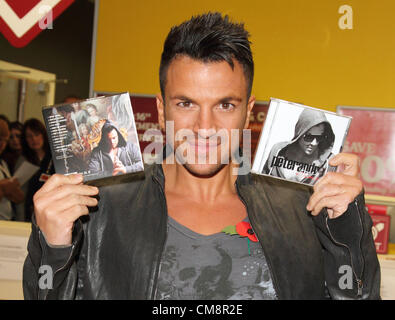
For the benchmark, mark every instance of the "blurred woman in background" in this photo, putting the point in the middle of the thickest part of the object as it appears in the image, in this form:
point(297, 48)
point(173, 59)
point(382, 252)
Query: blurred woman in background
point(10, 191)
point(14, 158)
point(36, 150)
point(13, 153)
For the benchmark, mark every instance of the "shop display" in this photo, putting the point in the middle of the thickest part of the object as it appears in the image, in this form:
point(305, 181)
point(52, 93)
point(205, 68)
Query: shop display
point(381, 226)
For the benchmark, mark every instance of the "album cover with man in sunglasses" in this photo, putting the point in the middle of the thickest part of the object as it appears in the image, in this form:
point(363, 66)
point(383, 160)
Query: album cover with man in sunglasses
point(297, 142)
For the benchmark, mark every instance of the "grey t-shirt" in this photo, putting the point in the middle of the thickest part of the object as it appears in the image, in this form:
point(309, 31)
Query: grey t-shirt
point(218, 266)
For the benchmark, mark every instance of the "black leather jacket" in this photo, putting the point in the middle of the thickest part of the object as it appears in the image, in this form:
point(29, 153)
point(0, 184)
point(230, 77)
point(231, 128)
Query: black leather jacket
point(116, 254)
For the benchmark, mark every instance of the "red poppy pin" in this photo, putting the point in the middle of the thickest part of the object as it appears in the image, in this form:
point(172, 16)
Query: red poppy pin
point(243, 229)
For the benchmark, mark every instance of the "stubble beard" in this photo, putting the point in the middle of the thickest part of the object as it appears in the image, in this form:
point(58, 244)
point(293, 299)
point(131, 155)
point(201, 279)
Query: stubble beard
point(206, 169)
point(207, 172)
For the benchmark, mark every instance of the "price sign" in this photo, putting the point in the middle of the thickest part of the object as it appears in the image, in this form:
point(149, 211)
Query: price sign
point(372, 137)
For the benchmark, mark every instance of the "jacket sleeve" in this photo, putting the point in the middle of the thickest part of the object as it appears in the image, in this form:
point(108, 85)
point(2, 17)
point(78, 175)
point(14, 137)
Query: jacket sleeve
point(94, 162)
point(134, 155)
point(352, 270)
point(50, 272)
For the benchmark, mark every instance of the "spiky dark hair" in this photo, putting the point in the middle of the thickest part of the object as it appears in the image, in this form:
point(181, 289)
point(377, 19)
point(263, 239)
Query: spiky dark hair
point(208, 38)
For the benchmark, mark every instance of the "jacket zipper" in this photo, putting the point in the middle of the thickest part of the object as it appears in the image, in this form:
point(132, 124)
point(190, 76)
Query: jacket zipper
point(159, 265)
point(61, 268)
point(358, 280)
point(264, 252)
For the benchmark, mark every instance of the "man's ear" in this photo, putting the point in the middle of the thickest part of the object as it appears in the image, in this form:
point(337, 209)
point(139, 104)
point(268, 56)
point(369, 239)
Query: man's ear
point(160, 106)
point(250, 105)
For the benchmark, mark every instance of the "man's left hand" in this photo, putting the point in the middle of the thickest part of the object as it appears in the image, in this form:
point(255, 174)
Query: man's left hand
point(336, 190)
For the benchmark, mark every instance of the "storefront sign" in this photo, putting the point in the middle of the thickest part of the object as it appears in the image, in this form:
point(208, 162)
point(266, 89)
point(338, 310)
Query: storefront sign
point(21, 21)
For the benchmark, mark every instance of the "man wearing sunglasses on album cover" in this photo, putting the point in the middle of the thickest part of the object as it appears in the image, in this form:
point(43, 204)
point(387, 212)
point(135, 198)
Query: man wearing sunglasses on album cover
point(305, 158)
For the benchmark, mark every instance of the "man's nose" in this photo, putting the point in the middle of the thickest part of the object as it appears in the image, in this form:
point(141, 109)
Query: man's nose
point(205, 123)
point(314, 142)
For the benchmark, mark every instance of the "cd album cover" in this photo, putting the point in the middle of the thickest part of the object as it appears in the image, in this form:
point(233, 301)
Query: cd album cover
point(95, 137)
point(297, 142)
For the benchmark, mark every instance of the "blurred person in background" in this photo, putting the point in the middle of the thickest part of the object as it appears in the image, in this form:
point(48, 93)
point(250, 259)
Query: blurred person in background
point(10, 191)
point(14, 158)
point(5, 118)
point(13, 152)
point(71, 98)
point(36, 150)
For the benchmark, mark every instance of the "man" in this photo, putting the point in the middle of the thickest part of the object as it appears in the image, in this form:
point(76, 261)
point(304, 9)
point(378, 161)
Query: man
point(161, 237)
point(114, 155)
point(312, 144)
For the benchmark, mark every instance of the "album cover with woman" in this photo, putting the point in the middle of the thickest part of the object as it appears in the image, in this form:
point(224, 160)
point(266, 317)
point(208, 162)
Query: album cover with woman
point(95, 137)
point(297, 142)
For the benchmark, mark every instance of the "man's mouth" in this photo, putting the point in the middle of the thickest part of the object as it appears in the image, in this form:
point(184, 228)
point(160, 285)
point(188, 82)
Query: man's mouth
point(203, 145)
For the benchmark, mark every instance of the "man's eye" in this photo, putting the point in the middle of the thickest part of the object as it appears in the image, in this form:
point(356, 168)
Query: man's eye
point(226, 106)
point(184, 104)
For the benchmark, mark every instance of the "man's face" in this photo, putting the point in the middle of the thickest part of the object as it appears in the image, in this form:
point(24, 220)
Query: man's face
point(207, 100)
point(113, 138)
point(310, 140)
point(92, 111)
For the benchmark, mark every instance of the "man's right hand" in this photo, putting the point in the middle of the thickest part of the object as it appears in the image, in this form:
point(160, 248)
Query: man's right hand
point(60, 202)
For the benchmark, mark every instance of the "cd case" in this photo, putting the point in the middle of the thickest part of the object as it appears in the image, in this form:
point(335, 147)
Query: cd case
point(96, 138)
point(297, 142)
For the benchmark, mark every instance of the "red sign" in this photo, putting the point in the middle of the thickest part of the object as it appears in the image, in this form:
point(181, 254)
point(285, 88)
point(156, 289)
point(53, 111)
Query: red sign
point(22, 20)
point(372, 137)
point(257, 119)
point(146, 118)
point(376, 209)
point(380, 231)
